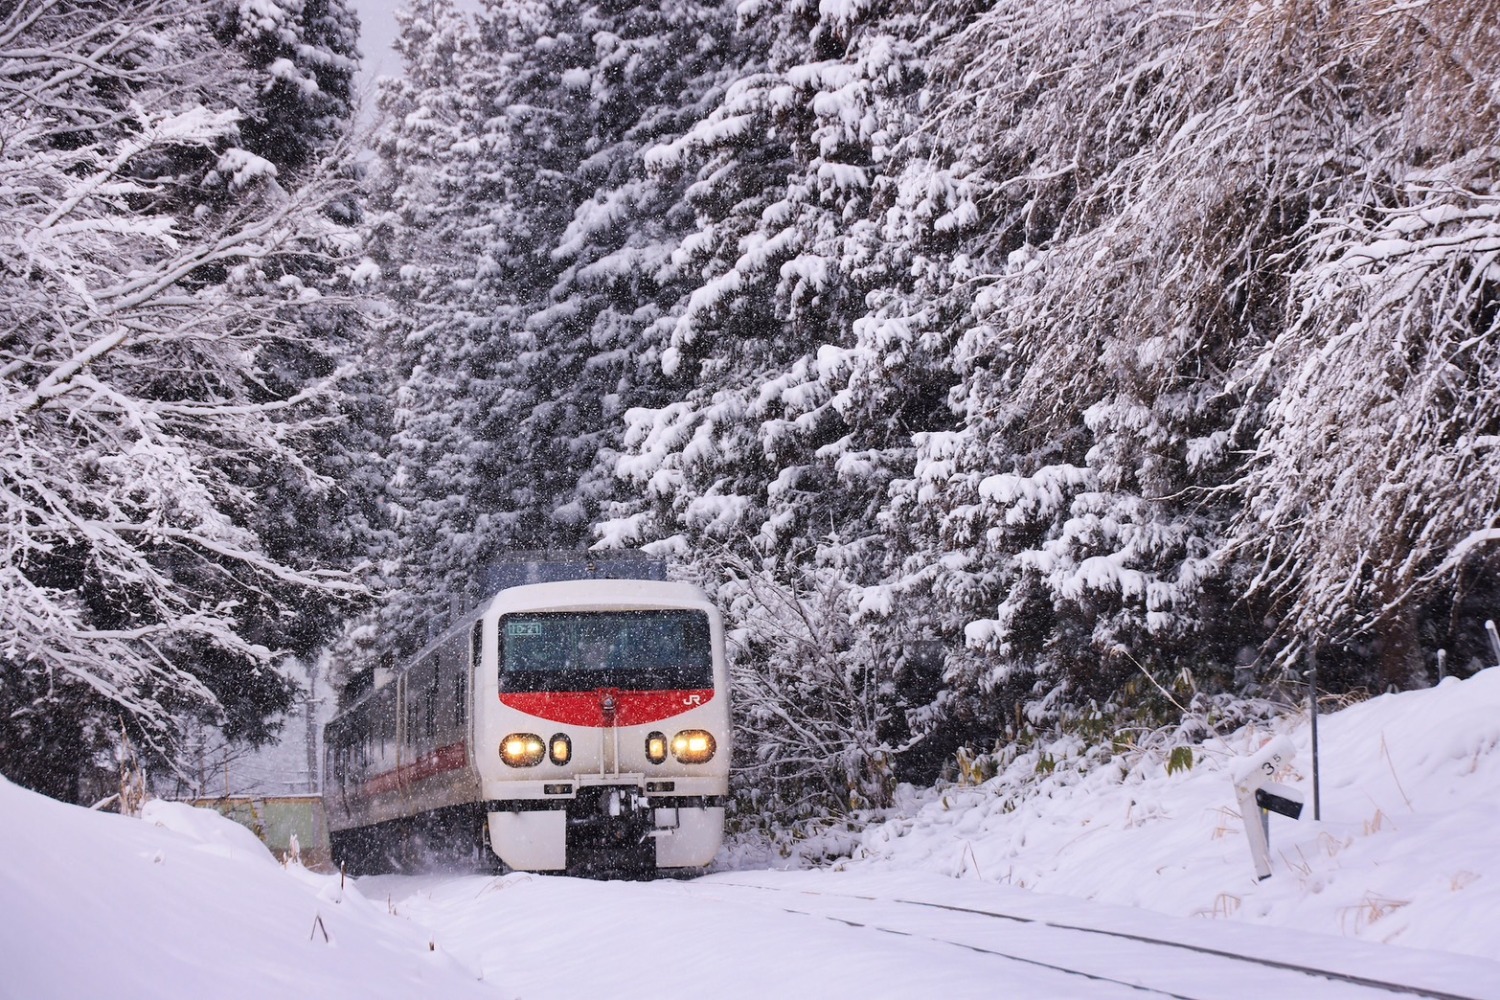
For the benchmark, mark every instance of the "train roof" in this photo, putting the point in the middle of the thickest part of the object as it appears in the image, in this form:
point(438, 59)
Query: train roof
point(585, 595)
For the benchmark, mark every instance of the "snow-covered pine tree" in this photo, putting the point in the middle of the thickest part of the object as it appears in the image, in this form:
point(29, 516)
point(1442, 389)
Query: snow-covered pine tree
point(303, 56)
point(476, 158)
point(420, 219)
point(807, 374)
point(1073, 507)
point(526, 234)
point(149, 266)
point(654, 73)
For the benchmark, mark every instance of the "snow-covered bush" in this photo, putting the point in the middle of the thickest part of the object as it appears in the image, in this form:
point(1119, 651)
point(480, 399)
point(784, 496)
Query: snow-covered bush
point(814, 697)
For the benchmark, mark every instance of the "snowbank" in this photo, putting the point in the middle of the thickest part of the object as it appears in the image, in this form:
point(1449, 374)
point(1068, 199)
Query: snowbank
point(184, 903)
point(1405, 852)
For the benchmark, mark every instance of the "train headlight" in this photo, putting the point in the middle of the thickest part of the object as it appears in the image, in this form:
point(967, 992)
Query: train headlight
point(522, 749)
point(656, 747)
point(694, 746)
point(560, 749)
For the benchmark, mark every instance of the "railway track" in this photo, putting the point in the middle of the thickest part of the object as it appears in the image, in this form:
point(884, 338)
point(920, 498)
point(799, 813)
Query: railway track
point(1149, 965)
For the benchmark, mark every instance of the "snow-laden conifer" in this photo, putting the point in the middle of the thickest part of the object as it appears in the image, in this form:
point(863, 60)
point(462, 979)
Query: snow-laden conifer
point(805, 375)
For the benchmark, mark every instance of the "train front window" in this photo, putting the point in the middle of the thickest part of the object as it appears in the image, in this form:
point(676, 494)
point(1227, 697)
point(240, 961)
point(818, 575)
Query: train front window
point(587, 650)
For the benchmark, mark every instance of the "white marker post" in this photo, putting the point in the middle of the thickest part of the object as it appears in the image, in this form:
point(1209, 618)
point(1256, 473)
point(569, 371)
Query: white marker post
point(1259, 795)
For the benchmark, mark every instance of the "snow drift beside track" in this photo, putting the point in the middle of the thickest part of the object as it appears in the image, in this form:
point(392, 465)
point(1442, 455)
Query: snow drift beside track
point(184, 903)
point(1405, 852)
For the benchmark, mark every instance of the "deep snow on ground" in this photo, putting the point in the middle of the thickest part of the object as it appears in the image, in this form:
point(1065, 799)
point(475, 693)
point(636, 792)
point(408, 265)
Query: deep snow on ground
point(1407, 850)
point(184, 904)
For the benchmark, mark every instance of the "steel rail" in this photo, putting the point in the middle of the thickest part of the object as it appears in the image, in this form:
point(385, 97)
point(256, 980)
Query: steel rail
point(1096, 977)
point(1272, 963)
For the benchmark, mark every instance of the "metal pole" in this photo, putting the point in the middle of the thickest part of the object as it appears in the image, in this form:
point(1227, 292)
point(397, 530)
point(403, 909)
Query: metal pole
point(1312, 708)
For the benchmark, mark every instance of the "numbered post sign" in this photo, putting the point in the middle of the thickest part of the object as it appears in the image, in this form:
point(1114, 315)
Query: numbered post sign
point(1259, 796)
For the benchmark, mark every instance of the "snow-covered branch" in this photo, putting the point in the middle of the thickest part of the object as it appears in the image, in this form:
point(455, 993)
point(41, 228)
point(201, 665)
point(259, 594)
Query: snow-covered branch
point(161, 293)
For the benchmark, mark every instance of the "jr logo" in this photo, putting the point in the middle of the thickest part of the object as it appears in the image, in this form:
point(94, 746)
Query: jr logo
point(693, 699)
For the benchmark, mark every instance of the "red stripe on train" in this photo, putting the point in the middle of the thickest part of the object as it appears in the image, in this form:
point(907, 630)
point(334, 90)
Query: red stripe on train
point(592, 708)
point(440, 761)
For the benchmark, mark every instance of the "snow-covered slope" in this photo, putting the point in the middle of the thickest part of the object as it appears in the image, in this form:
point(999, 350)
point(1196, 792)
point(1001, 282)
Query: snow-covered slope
point(185, 903)
point(1407, 851)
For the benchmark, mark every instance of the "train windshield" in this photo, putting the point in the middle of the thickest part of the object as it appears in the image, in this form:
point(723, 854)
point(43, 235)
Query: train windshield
point(587, 650)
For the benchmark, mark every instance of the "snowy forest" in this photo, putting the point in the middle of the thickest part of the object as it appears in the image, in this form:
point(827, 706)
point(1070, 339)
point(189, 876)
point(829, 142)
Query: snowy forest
point(999, 367)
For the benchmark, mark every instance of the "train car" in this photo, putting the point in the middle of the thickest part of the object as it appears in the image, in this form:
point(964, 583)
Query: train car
point(575, 725)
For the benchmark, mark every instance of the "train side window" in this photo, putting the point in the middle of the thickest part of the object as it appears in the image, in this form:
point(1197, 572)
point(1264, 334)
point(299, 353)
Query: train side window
point(464, 672)
point(458, 694)
point(390, 722)
point(455, 661)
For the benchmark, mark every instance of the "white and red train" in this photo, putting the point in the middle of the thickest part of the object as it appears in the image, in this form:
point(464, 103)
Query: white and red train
point(570, 725)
